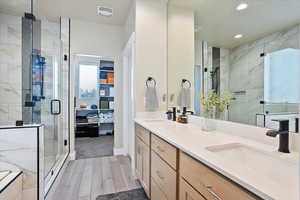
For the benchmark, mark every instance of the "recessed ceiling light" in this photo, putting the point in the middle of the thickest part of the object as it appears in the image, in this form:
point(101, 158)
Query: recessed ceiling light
point(104, 11)
point(242, 6)
point(238, 36)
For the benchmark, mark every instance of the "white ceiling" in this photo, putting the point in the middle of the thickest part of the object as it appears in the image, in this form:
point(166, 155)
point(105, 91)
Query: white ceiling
point(85, 10)
point(219, 21)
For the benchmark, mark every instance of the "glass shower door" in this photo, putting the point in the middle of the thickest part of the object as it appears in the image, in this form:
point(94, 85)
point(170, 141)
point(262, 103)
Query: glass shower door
point(51, 104)
point(49, 112)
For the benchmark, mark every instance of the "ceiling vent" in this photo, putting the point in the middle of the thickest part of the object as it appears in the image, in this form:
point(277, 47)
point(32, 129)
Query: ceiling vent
point(104, 11)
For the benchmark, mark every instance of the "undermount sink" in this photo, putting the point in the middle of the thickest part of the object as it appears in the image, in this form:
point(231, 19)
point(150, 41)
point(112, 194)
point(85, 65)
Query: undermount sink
point(250, 159)
point(4, 174)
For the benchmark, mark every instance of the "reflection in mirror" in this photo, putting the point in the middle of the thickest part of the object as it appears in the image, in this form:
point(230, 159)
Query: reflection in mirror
point(244, 62)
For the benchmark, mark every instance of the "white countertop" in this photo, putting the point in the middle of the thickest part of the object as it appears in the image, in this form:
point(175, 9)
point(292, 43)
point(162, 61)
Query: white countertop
point(278, 183)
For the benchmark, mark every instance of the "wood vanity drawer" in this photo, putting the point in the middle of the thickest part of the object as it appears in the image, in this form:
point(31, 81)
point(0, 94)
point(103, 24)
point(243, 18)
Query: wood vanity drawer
point(164, 176)
point(186, 192)
point(166, 151)
point(143, 134)
point(209, 183)
point(156, 193)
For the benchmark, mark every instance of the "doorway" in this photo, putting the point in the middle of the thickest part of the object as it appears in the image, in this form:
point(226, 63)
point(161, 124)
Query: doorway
point(94, 106)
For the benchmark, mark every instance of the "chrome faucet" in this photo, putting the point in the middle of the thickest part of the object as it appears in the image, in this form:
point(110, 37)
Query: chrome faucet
point(283, 133)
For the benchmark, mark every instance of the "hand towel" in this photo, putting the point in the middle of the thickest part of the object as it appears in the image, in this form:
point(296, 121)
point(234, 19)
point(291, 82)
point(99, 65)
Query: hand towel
point(151, 100)
point(184, 98)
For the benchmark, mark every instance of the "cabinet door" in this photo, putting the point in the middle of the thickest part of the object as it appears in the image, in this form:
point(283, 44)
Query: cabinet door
point(187, 192)
point(142, 163)
point(138, 158)
point(146, 168)
point(156, 193)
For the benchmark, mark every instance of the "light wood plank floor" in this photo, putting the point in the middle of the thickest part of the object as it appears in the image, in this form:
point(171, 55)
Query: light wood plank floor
point(86, 179)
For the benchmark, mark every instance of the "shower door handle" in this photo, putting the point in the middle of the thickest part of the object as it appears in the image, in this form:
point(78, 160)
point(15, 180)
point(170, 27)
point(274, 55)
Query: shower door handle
point(52, 106)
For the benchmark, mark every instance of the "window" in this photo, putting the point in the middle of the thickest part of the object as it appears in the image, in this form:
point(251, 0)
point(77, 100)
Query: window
point(88, 81)
point(281, 76)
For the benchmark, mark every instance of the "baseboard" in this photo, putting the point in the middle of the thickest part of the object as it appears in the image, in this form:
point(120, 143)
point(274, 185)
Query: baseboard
point(120, 151)
point(72, 155)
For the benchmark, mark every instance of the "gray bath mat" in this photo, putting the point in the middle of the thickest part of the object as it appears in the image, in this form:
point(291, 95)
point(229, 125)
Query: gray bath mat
point(137, 194)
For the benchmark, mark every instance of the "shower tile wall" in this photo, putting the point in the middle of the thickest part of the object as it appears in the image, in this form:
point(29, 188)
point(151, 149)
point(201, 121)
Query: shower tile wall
point(245, 61)
point(10, 69)
point(224, 71)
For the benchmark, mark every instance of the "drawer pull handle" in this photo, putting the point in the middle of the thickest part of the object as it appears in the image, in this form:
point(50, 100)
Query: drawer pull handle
point(159, 175)
point(160, 149)
point(210, 190)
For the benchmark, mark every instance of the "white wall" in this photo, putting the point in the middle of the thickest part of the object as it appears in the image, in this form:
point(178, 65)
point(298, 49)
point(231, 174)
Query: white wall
point(181, 51)
point(96, 39)
point(100, 40)
point(151, 49)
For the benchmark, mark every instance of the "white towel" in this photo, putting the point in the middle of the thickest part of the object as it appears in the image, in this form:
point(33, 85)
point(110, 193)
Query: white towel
point(151, 100)
point(184, 98)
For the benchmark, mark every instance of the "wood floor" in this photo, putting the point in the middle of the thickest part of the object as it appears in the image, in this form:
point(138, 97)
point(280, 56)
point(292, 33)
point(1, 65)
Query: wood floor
point(86, 179)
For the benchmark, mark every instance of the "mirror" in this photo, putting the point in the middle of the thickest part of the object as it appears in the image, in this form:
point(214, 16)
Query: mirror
point(244, 54)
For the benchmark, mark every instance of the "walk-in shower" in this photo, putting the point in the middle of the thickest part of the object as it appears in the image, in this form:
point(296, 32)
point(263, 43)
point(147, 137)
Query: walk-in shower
point(34, 77)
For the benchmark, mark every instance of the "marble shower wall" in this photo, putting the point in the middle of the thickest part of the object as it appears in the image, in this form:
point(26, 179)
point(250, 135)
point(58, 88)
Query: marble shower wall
point(246, 72)
point(10, 69)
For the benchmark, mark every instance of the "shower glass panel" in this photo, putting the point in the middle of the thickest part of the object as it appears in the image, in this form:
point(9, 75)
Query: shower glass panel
point(50, 105)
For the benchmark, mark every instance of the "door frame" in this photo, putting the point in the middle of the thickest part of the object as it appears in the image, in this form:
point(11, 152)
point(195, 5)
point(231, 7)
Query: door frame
point(128, 56)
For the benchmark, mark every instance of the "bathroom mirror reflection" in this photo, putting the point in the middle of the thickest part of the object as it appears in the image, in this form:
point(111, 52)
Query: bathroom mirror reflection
point(242, 59)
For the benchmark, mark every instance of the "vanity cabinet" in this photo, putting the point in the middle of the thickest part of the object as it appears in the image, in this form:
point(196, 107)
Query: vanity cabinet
point(166, 173)
point(164, 176)
point(210, 184)
point(142, 157)
point(187, 192)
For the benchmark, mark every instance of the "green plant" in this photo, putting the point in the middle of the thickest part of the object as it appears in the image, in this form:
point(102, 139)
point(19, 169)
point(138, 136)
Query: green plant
point(214, 104)
point(224, 101)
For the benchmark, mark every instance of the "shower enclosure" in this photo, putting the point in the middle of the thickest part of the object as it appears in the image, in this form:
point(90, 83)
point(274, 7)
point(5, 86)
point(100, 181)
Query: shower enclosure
point(34, 78)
